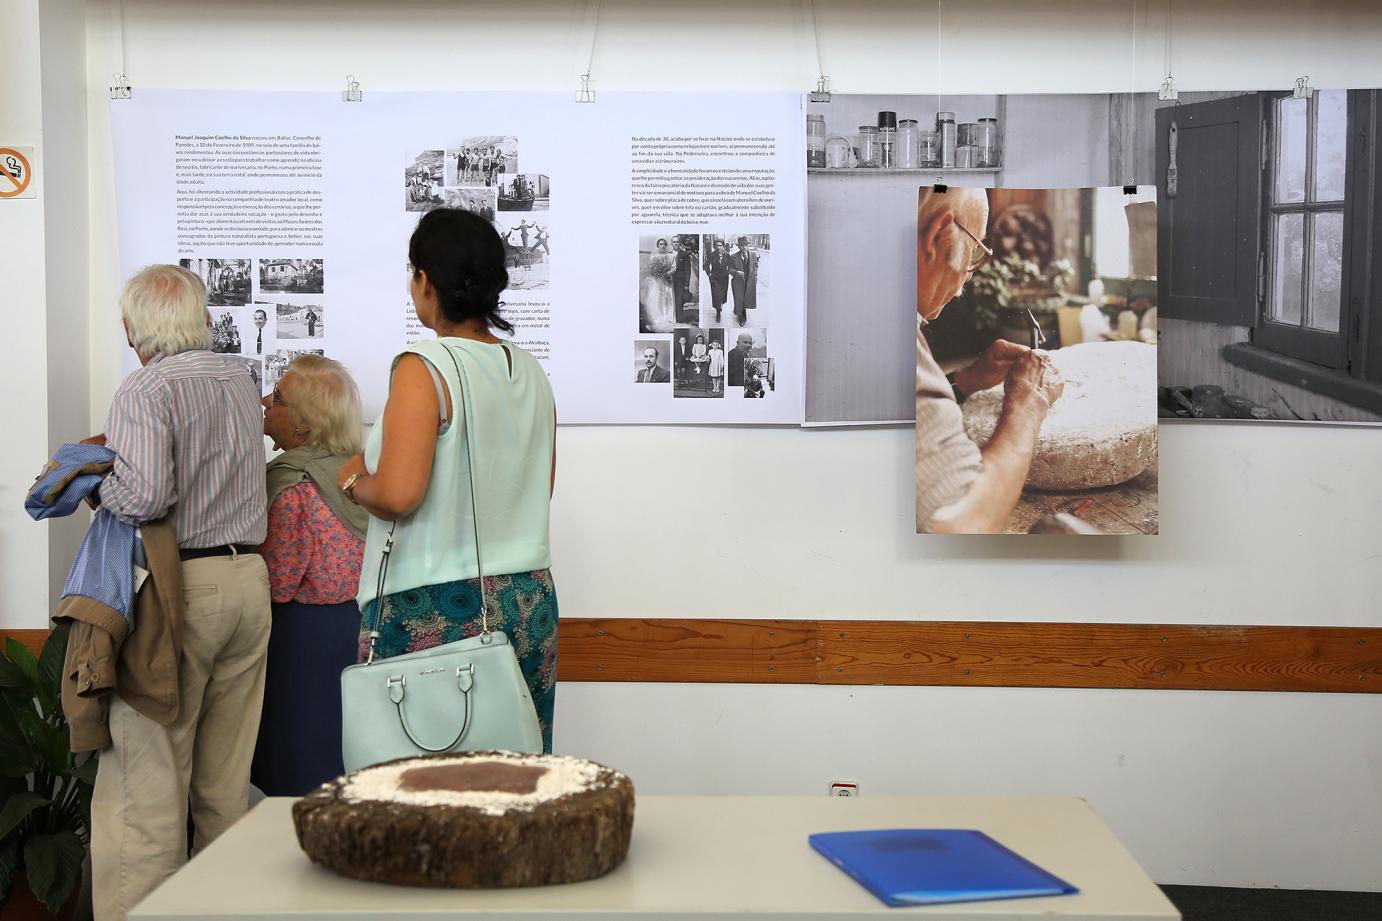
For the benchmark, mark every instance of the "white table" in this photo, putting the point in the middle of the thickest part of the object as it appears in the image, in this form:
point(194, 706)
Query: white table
point(691, 857)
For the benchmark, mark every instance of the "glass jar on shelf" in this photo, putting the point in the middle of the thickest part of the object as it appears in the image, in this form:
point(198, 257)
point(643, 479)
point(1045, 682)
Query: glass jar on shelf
point(887, 140)
point(928, 149)
point(908, 134)
point(989, 142)
point(947, 138)
point(868, 146)
point(839, 153)
point(815, 141)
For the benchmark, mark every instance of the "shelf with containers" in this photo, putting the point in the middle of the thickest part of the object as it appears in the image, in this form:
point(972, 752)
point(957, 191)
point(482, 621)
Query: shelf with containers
point(892, 145)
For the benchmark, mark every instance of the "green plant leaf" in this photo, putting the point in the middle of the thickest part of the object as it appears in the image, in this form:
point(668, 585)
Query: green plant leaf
point(12, 676)
point(86, 771)
point(49, 673)
point(53, 865)
point(17, 808)
point(20, 655)
point(48, 742)
point(9, 860)
point(17, 757)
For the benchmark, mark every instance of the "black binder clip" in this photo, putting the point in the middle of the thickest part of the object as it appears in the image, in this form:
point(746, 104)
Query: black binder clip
point(940, 185)
point(1129, 189)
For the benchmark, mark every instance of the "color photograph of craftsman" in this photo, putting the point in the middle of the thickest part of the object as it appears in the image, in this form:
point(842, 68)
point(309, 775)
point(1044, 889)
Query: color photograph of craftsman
point(1036, 361)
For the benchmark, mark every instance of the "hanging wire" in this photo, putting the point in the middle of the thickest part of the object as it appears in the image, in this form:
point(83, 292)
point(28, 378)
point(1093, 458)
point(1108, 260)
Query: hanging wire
point(822, 91)
point(1168, 86)
point(940, 185)
point(1128, 182)
point(584, 93)
point(120, 84)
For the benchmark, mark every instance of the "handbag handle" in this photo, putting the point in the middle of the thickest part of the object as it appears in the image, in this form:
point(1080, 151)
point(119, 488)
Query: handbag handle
point(465, 679)
point(464, 380)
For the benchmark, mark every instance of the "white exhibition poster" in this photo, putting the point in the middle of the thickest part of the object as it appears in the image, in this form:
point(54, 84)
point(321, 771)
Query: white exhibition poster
point(655, 241)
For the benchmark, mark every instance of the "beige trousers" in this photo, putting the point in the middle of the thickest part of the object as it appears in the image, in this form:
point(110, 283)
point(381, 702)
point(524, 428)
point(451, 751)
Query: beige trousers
point(151, 773)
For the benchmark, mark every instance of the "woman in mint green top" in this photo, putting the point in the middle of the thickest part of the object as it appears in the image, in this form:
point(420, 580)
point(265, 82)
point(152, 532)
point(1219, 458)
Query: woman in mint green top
point(467, 394)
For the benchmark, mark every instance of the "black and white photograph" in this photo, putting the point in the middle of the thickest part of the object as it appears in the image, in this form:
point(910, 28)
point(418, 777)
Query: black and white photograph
point(862, 221)
point(255, 368)
point(291, 276)
point(276, 364)
point(300, 321)
point(652, 361)
point(698, 363)
point(735, 268)
point(485, 161)
point(759, 379)
point(668, 281)
point(423, 181)
point(1270, 323)
point(748, 345)
point(527, 251)
point(234, 330)
point(525, 192)
point(227, 280)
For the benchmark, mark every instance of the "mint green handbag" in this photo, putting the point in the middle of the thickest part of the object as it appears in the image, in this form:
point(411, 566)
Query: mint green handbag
point(459, 696)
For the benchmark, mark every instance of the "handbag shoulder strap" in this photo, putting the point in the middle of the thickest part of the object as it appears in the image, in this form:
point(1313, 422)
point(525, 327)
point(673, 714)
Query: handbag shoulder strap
point(466, 414)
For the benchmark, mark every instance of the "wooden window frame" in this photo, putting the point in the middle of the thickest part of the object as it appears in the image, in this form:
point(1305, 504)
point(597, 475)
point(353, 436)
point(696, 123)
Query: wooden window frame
point(1318, 347)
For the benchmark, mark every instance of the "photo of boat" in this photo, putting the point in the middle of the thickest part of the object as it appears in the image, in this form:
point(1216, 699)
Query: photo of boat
point(525, 192)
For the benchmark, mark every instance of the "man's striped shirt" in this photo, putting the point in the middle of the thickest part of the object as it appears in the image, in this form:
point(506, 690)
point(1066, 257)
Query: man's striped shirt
point(188, 432)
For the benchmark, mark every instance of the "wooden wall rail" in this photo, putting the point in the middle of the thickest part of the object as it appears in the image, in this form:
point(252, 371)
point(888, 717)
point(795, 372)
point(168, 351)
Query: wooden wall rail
point(963, 653)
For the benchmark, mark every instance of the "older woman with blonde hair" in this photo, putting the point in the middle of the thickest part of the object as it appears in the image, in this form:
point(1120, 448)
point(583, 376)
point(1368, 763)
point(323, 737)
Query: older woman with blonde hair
point(313, 550)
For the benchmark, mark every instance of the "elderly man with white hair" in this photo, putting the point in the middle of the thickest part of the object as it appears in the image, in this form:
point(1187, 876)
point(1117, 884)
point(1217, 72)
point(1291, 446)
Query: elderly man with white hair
point(186, 430)
point(961, 488)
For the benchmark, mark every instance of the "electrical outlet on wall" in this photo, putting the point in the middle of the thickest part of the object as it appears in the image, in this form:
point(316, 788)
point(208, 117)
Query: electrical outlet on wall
point(844, 788)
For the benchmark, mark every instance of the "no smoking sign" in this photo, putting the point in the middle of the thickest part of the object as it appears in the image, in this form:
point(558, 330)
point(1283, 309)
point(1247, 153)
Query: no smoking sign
point(17, 173)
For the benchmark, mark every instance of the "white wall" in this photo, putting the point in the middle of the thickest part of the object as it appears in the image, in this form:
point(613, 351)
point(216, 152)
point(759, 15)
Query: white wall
point(24, 590)
point(1258, 525)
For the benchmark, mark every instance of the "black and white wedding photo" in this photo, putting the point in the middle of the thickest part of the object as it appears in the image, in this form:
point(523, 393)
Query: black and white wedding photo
point(483, 161)
point(525, 192)
point(227, 280)
point(527, 251)
point(300, 321)
point(698, 362)
point(652, 360)
point(423, 179)
point(668, 281)
point(735, 267)
point(291, 276)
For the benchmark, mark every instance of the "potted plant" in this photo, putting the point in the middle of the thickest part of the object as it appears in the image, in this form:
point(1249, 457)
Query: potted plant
point(1002, 292)
point(45, 793)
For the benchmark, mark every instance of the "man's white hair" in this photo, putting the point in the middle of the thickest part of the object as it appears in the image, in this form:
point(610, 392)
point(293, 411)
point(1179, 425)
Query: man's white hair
point(164, 308)
point(326, 401)
point(930, 201)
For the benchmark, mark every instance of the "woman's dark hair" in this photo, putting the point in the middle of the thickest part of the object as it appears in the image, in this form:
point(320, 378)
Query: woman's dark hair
point(463, 257)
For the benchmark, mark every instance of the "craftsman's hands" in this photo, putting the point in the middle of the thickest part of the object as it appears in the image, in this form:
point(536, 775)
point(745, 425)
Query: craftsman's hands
point(990, 368)
point(1033, 384)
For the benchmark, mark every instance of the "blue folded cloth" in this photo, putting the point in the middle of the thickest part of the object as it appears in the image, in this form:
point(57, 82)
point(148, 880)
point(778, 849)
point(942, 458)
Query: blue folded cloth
point(74, 473)
point(104, 567)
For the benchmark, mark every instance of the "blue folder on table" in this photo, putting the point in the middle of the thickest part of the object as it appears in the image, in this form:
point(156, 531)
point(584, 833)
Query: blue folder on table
point(928, 866)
